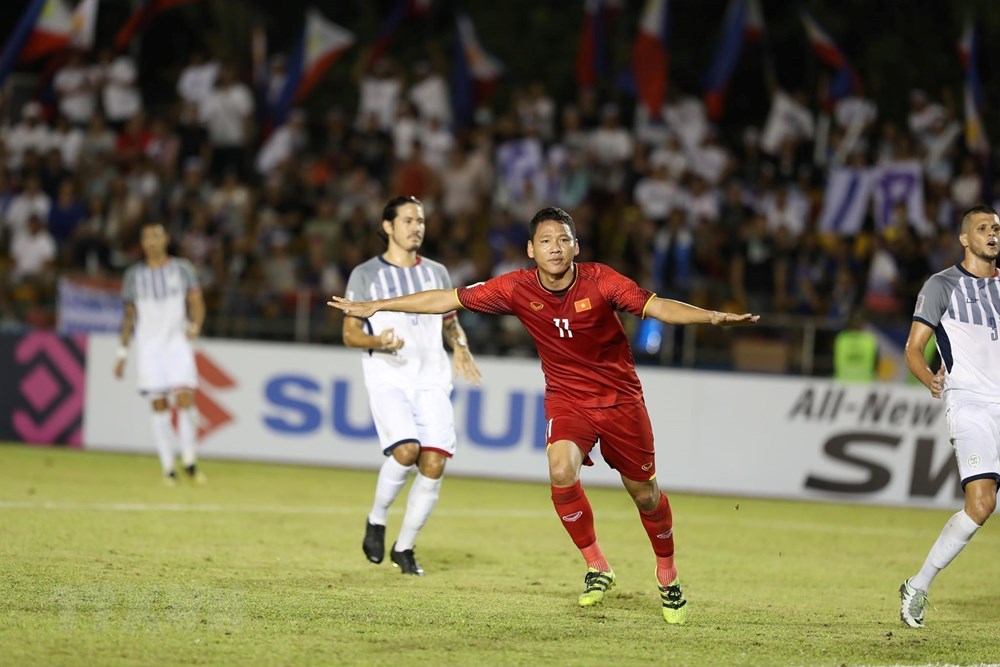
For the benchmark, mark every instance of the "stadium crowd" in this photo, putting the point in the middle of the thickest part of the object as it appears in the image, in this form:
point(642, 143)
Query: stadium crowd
point(269, 214)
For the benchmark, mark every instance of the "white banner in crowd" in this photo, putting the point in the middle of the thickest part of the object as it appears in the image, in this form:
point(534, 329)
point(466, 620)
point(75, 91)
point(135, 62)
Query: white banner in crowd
point(715, 433)
point(849, 191)
point(88, 306)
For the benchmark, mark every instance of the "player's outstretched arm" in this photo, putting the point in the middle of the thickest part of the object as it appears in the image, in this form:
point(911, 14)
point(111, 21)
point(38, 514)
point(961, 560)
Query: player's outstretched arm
point(678, 312)
point(431, 302)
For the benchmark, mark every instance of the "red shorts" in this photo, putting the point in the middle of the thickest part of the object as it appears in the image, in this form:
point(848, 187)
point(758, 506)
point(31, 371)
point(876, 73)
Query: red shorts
point(623, 432)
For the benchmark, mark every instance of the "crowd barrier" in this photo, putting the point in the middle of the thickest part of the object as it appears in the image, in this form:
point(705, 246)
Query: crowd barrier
point(716, 433)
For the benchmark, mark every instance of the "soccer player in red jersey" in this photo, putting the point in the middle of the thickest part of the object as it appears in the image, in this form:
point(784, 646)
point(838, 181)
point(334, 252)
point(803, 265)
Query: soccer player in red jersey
point(592, 392)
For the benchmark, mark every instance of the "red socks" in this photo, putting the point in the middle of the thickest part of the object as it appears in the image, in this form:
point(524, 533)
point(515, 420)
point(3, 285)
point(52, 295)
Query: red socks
point(577, 518)
point(659, 525)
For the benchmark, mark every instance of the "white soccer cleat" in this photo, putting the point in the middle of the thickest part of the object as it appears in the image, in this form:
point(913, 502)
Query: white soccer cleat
point(913, 601)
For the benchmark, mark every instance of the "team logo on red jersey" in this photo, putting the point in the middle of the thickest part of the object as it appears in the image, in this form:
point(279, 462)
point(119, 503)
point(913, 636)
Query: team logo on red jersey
point(536, 305)
point(582, 305)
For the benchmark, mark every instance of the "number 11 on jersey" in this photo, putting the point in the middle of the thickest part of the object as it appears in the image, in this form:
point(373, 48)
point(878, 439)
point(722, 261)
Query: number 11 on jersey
point(563, 326)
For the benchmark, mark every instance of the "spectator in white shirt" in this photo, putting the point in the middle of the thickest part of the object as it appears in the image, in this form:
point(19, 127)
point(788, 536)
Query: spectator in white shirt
point(924, 115)
point(429, 94)
point(656, 194)
point(788, 120)
point(31, 134)
point(228, 117)
point(31, 201)
point(437, 142)
point(120, 95)
point(197, 79)
point(75, 85)
point(33, 252)
point(379, 95)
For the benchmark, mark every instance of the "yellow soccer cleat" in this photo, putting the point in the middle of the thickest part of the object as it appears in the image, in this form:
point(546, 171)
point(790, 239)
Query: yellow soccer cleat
point(595, 585)
point(674, 603)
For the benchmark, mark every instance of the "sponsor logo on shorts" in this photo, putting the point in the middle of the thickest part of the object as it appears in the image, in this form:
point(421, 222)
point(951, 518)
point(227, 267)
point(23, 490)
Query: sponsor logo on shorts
point(974, 461)
point(666, 536)
point(535, 305)
point(570, 518)
point(646, 466)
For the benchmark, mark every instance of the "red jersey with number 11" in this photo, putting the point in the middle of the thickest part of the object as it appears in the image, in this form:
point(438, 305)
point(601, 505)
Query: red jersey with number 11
point(586, 358)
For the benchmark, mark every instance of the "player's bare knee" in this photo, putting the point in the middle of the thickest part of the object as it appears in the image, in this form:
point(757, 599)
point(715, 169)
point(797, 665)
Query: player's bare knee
point(406, 453)
point(185, 399)
point(562, 473)
point(431, 466)
point(981, 508)
point(646, 497)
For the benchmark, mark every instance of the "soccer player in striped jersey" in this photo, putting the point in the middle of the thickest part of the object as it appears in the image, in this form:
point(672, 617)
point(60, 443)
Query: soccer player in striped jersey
point(961, 307)
point(592, 393)
point(408, 378)
point(164, 310)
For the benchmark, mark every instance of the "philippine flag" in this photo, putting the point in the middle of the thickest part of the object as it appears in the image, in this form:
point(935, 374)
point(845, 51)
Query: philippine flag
point(592, 51)
point(57, 28)
point(45, 26)
point(142, 16)
point(975, 135)
point(845, 80)
point(727, 54)
point(650, 59)
point(474, 73)
point(321, 44)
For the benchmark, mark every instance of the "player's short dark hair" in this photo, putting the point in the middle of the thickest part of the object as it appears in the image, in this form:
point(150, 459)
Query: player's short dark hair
point(150, 222)
point(975, 210)
point(391, 210)
point(554, 214)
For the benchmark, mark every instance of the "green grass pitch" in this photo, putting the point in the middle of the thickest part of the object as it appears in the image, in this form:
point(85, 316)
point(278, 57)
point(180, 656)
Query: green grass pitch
point(101, 565)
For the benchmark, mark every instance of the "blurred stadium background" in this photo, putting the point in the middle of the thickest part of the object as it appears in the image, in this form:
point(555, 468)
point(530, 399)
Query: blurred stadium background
point(806, 161)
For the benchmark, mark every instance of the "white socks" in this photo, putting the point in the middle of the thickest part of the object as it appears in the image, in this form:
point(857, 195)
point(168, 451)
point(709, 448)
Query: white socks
point(187, 435)
point(423, 497)
point(391, 479)
point(162, 435)
point(956, 534)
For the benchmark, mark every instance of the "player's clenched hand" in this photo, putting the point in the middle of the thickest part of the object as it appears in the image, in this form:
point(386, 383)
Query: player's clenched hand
point(362, 309)
point(193, 331)
point(465, 366)
point(937, 383)
point(720, 319)
point(390, 341)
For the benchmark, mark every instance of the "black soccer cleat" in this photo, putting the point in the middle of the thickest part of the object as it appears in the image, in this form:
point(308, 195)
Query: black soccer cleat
point(405, 561)
point(374, 542)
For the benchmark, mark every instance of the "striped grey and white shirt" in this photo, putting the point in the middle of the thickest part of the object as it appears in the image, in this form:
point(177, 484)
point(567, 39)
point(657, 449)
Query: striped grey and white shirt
point(160, 298)
point(964, 312)
point(423, 361)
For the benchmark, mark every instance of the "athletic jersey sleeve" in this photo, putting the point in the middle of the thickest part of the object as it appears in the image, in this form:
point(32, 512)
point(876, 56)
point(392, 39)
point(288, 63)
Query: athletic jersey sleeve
point(128, 285)
point(623, 293)
point(494, 297)
point(442, 277)
point(932, 302)
point(189, 275)
point(358, 285)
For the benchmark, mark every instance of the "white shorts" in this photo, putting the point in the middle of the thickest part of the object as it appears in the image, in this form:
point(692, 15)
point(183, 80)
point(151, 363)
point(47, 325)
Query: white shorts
point(425, 416)
point(166, 368)
point(974, 428)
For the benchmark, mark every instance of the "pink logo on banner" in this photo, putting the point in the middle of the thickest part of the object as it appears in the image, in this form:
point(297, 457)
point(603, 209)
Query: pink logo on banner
point(53, 384)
